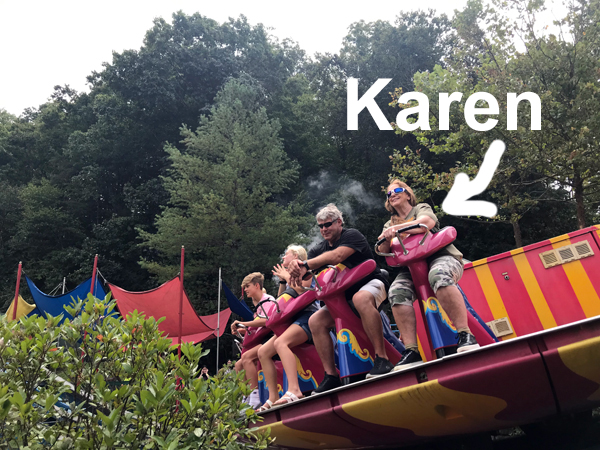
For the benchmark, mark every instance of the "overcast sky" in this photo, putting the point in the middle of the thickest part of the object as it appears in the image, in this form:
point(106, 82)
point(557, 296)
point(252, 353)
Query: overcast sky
point(44, 43)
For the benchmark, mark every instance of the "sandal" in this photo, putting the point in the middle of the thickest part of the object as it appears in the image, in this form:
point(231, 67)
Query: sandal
point(288, 397)
point(268, 405)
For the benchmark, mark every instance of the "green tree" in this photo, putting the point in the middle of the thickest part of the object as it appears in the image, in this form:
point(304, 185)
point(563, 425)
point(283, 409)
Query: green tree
point(342, 160)
point(123, 384)
point(46, 236)
point(538, 166)
point(222, 189)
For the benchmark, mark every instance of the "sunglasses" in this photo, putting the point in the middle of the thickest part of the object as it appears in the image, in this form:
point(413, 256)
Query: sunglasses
point(326, 224)
point(395, 191)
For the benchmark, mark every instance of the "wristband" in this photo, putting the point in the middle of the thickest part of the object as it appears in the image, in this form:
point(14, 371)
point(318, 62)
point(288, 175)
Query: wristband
point(282, 282)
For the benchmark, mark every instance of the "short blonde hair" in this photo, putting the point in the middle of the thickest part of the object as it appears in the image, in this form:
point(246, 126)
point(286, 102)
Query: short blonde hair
point(253, 278)
point(297, 250)
point(330, 212)
point(412, 197)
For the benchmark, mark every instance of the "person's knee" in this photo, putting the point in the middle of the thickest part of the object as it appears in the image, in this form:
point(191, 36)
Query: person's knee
point(262, 353)
point(238, 365)
point(316, 323)
point(245, 359)
point(443, 290)
point(279, 345)
point(403, 310)
point(363, 301)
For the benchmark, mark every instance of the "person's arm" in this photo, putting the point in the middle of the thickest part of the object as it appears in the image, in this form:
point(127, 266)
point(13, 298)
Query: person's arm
point(283, 276)
point(333, 257)
point(258, 322)
point(422, 218)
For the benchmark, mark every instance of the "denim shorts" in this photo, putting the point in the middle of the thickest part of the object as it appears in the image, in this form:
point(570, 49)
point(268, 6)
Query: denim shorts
point(302, 322)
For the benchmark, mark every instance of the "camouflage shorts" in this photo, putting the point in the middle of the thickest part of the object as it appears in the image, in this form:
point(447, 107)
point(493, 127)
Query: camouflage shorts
point(444, 271)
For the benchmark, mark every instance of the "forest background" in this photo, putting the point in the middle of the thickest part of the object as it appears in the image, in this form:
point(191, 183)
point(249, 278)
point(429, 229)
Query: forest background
point(219, 137)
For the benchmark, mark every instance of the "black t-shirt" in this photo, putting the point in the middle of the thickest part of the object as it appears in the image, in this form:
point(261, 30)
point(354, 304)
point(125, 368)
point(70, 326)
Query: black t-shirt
point(355, 240)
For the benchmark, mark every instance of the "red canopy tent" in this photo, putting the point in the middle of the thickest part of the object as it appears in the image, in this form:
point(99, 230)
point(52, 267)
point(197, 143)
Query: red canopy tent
point(164, 302)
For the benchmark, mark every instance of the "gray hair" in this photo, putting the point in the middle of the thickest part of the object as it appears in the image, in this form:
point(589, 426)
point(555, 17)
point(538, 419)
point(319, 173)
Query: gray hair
point(330, 212)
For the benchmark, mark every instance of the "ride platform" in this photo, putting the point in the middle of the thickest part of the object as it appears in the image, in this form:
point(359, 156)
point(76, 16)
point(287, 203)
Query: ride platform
point(548, 296)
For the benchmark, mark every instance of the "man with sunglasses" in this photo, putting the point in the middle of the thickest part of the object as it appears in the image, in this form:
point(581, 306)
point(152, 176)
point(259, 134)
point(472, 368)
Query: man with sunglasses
point(349, 247)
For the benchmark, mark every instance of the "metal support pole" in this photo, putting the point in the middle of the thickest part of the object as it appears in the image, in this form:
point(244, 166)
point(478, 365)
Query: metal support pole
point(180, 302)
point(16, 300)
point(218, 319)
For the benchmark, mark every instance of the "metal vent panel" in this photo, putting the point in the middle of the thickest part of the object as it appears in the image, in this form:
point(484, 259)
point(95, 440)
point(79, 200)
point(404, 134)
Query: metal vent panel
point(567, 254)
point(550, 259)
point(501, 327)
point(583, 249)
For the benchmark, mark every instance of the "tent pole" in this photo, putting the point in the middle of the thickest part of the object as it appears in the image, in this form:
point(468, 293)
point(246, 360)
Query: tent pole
point(218, 320)
point(16, 301)
point(94, 274)
point(180, 302)
point(64, 284)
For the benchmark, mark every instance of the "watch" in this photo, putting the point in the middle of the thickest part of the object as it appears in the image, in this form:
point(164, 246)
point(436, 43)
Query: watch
point(305, 264)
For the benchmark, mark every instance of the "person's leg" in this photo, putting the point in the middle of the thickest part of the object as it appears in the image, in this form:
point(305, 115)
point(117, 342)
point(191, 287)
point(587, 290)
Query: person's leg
point(402, 295)
point(265, 356)
point(238, 365)
point(453, 303)
point(320, 323)
point(404, 315)
point(444, 274)
point(364, 302)
point(249, 364)
point(292, 337)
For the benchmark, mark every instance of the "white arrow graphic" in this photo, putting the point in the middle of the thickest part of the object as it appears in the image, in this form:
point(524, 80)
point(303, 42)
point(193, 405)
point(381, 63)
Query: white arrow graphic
point(457, 201)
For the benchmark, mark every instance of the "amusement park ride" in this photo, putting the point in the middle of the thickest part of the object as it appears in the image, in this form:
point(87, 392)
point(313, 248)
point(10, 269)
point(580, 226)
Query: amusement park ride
point(541, 359)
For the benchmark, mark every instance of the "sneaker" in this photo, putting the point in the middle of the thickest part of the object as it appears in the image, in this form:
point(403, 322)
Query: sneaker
point(409, 359)
point(328, 383)
point(466, 342)
point(381, 366)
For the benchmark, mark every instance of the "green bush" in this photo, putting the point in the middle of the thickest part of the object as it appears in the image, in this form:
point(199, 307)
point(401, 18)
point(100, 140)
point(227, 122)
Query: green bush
point(124, 385)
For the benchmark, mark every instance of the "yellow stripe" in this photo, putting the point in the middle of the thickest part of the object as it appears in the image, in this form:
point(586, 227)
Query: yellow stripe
point(517, 251)
point(479, 262)
point(533, 289)
point(429, 409)
point(493, 297)
point(581, 284)
point(562, 237)
point(583, 358)
point(421, 348)
point(289, 437)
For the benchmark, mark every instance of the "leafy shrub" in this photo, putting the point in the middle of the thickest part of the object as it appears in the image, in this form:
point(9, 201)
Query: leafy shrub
point(103, 383)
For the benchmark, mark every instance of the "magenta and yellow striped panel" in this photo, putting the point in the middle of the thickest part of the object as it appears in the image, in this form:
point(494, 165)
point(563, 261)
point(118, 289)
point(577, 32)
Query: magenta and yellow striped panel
point(517, 285)
point(533, 289)
point(580, 282)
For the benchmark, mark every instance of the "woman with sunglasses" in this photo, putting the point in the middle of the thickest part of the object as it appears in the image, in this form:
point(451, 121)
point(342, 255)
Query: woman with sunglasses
point(445, 269)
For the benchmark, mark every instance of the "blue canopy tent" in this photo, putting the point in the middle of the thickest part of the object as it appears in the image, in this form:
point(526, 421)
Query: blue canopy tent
point(237, 306)
point(55, 305)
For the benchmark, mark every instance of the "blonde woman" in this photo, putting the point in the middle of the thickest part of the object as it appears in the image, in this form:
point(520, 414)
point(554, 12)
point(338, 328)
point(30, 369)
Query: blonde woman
point(297, 333)
point(445, 269)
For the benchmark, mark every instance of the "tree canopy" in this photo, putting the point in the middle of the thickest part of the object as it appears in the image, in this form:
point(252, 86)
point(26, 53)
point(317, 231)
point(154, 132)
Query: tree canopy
point(220, 138)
